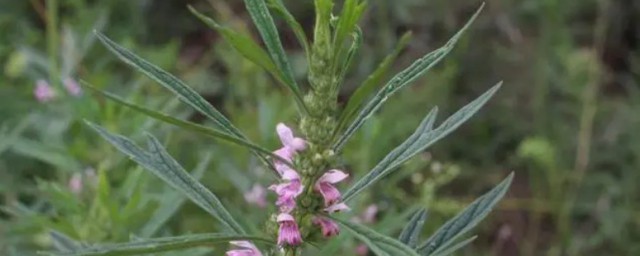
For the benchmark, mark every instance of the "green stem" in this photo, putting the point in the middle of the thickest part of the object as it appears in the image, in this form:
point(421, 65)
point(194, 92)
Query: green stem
point(52, 41)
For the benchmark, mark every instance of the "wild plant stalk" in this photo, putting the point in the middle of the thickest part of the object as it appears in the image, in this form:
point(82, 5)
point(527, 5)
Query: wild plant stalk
point(308, 198)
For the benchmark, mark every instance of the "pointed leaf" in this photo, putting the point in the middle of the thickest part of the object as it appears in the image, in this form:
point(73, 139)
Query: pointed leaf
point(380, 244)
point(62, 242)
point(349, 17)
point(160, 163)
point(370, 84)
point(420, 140)
point(411, 232)
point(465, 220)
point(298, 31)
point(455, 247)
point(410, 74)
point(258, 151)
point(159, 245)
point(184, 92)
point(385, 166)
point(269, 33)
point(242, 43)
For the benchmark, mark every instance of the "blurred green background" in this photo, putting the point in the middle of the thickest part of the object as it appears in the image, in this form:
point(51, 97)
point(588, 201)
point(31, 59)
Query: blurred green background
point(566, 120)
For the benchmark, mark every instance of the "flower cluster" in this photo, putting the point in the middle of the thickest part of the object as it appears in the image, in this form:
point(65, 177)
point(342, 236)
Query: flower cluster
point(44, 92)
point(289, 189)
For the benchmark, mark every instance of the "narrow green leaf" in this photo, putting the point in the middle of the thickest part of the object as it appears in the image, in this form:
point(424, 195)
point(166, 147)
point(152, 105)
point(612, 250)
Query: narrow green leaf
point(259, 151)
point(411, 231)
point(160, 163)
point(159, 245)
point(62, 242)
point(371, 83)
point(184, 92)
point(455, 247)
point(351, 13)
point(298, 31)
point(384, 166)
point(410, 74)
point(353, 50)
point(170, 203)
point(380, 244)
point(244, 44)
point(465, 220)
point(420, 140)
point(269, 33)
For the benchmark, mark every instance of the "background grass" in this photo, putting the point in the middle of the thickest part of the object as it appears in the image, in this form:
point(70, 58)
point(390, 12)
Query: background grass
point(566, 120)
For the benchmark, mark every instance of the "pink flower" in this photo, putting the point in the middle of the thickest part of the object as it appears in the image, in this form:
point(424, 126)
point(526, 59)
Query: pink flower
point(72, 87)
point(75, 183)
point(329, 228)
point(43, 91)
point(337, 208)
point(288, 234)
point(257, 195)
point(245, 248)
point(79, 179)
point(369, 214)
point(288, 140)
point(289, 190)
point(325, 186)
point(290, 145)
point(362, 250)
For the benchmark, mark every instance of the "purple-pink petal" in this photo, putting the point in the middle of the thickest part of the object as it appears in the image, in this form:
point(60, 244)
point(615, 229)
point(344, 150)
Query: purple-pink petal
point(337, 208)
point(257, 195)
point(244, 248)
point(43, 91)
point(333, 176)
point(72, 87)
point(329, 193)
point(329, 228)
point(288, 233)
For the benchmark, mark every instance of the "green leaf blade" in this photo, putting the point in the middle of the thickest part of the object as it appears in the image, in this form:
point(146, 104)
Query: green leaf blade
point(420, 140)
point(411, 231)
point(160, 163)
point(378, 243)
point(399, 81)
point(170, 82)
point(159, 245)
point(466, 219)
point(263, 21)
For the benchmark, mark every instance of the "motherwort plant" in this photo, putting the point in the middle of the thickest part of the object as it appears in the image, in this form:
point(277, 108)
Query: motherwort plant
point(306, 174)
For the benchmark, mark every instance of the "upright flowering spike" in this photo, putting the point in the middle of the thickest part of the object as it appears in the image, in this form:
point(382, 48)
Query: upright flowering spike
point(244, 248)
point(325, 186)
point(43, 91)
point(288, 233)
point(257, 195)
point(329, 228)
point(72, 87)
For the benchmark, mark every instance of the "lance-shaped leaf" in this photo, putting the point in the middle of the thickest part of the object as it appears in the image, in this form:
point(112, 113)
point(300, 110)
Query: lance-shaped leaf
point(351, 13)
point(370, 84)
point(184, 92)
point(421, 139)
point(465, 220)
point(159, 245)
point(411, 231)
point(258, 151)
point(298, 31)
point(380, 244)
point(243, 44)
point(353, 50)
point(399, 81)
point(157, 160)
point(63, 243)
point(269, 33)
point(455, 247)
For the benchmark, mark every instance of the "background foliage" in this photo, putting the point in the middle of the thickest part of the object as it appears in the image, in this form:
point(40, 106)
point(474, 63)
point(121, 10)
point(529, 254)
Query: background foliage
point(565, 120)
